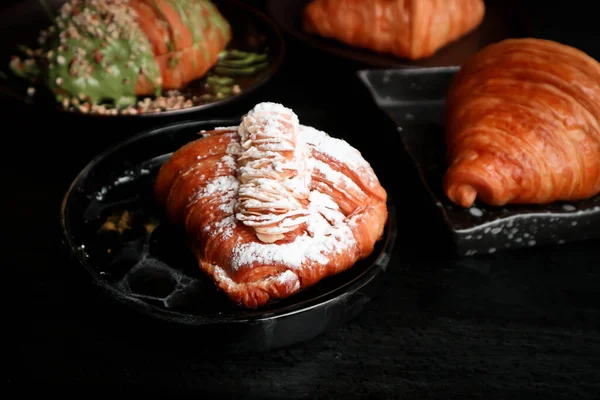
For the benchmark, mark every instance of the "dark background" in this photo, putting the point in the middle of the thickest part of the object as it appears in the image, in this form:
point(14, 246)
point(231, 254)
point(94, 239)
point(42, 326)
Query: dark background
point(522, 325)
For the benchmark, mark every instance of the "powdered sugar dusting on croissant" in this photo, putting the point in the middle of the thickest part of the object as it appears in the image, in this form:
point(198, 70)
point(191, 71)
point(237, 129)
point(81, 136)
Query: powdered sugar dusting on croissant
point(326, 235)
point(271, 206)
point(272, 170)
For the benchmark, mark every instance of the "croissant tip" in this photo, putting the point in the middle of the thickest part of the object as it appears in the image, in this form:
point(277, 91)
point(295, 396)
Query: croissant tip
point(463, 195)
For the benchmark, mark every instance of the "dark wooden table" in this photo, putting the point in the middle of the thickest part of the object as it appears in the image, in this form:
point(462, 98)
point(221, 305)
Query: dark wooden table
point(518, 325)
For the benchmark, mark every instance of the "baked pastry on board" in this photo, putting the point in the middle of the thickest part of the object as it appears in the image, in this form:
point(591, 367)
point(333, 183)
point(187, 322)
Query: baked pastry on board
point(271, 207)
point(523, 125)
point(411, 29)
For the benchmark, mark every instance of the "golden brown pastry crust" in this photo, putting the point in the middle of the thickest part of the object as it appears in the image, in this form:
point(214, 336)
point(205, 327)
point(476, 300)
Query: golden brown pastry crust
point(200, 185)
point(162, 23)
point(523, 125)
point(412, 29)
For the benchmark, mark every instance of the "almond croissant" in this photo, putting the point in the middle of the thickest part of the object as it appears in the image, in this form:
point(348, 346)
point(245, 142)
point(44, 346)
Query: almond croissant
point(271, 207)
point(523, 125)
point(412, 29)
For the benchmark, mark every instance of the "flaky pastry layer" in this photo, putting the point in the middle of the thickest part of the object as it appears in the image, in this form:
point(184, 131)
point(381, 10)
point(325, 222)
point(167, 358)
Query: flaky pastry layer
point(343, 206)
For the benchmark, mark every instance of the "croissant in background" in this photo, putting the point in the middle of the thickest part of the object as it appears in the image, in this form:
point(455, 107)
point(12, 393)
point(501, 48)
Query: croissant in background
point(115, 50)
point(523, 125)
point(271, 207)
point(412, 29)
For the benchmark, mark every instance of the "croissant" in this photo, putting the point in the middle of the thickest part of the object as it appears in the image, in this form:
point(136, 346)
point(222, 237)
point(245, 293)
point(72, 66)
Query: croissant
point(119, 49)
point(412, 29)
point(523, 125)
point(271, 207)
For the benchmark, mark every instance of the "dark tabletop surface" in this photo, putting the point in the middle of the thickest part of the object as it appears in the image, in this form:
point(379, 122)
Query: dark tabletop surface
point(518, 325)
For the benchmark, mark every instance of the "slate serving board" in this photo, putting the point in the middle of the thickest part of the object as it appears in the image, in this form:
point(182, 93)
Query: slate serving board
point(414, 99)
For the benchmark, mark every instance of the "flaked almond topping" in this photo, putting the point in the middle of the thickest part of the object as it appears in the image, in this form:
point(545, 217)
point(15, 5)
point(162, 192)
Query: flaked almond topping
point(272, 174)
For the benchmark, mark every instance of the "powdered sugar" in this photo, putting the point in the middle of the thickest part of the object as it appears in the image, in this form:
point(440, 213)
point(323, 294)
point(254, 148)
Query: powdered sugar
point(340, 181)
point(228, 161)
point(220, 128)
point(226, 187)
point(224, 227)
point(227, 184)
point(286, 278)
point(289, 279)
point(326, 235)
point(270, 192)
point(335, 148)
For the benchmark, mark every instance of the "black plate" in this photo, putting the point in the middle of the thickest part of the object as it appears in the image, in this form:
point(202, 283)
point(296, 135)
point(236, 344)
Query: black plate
point(414, 99)
point(503, 19)
point(252, 31)
point(157, 275)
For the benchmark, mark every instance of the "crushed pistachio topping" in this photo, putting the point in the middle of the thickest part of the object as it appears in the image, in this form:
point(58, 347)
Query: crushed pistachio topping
point(94, 53)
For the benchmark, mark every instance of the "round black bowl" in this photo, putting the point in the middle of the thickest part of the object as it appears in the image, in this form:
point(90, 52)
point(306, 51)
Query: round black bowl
point(112, 228)
point(251, 31)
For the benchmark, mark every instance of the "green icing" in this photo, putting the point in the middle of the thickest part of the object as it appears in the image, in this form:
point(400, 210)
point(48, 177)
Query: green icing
point(96, 51)
point(181, 6)
point(102, 61)
point(170, 44)
point(196, 15)
point(221, 24)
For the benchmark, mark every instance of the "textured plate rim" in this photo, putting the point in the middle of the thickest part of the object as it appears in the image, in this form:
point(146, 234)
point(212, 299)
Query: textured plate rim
point(378, 266)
